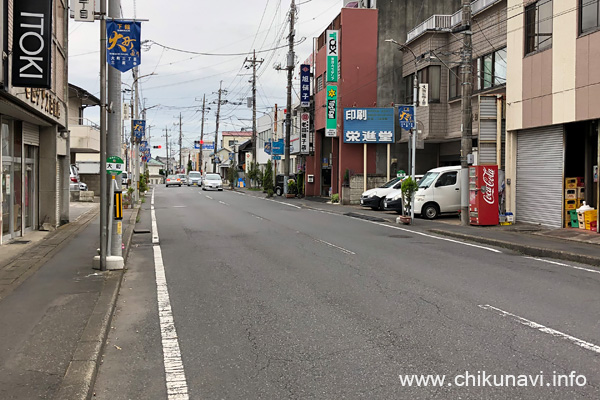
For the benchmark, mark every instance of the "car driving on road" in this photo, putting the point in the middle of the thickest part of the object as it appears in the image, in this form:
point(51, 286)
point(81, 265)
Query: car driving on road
point(173, 180)
point(194, 178)
point(212, 182)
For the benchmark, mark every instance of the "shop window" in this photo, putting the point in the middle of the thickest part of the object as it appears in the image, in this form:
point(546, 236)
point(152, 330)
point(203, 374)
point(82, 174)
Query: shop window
point(432, 76)
point(589, 15)
point(538, 26)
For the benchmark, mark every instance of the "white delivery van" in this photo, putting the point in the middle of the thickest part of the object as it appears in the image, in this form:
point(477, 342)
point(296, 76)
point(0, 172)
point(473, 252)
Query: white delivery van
point(439, 192)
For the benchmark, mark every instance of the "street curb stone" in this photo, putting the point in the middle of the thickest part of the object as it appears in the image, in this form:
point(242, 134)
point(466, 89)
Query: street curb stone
point(78, 382)
point(524, 249)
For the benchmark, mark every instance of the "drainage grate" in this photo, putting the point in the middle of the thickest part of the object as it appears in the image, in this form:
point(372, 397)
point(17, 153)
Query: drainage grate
point(141, 231)
point(367, 217)
point(20, 242)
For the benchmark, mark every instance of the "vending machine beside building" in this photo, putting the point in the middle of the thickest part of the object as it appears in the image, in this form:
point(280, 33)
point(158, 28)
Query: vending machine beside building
point(483, 195)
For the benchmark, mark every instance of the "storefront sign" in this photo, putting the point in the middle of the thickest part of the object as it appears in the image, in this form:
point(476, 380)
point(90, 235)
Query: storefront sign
point(331, 112)
point(423, 94)
point(44, 100)
point(32, 43)
point(83, 10)
point(305, 85)
point(332, 44)
point(277, 147)
point(123, 44)
point(304, 132)
point(369, 125)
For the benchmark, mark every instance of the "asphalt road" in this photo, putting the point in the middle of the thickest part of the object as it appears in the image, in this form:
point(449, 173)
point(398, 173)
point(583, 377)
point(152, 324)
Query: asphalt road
point(272, 301)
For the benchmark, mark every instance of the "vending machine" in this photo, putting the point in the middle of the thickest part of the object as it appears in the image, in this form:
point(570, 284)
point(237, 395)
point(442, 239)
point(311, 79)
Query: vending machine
point(483, 195)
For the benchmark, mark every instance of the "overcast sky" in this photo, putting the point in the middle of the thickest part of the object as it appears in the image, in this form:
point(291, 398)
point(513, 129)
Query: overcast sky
point(181, 78)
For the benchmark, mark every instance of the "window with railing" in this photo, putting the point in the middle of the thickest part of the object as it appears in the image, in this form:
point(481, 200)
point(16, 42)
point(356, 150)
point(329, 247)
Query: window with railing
point(589, 15)
point(538, 26)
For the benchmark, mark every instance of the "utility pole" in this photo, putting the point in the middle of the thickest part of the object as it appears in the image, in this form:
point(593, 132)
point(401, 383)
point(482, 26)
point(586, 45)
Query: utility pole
point(288, 115)
point(180, 165)
point(254, 61)
point(202, 132)
point(103, 192)
point(217, 128)
point(467, 91)
point(136, 155)
point(167, 149)
point(113, 148)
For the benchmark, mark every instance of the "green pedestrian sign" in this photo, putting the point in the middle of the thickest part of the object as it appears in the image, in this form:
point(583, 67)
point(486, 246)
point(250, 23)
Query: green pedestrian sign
point(114, 165)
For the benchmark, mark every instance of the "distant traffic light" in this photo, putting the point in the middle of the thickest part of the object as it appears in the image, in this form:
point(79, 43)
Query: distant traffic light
point(157, 147)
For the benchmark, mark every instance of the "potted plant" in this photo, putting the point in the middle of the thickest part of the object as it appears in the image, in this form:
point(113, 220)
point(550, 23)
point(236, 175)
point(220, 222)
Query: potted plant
point(408, 188)
point(127, 197)
point(292, 188)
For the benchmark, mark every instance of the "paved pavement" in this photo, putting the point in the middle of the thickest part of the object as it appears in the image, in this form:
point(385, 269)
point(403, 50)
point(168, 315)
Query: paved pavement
point(55, 310)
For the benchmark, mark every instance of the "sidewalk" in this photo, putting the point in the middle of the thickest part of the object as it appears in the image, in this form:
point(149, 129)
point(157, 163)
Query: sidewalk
point(55, 309)
point(574, 245)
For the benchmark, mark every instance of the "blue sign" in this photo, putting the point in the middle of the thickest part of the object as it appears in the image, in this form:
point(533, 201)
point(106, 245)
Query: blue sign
point(139, 128)
point(276, 157)
point(406, 117)
point(368, 125)
point(123, 44)
point(277, 147)
point(304, 85)
point(231, 155)
point(208, 146)
point(268, 147)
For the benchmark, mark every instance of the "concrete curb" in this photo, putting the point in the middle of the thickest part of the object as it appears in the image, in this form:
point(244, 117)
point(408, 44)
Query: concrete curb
point(524, 249)
point(78, 382)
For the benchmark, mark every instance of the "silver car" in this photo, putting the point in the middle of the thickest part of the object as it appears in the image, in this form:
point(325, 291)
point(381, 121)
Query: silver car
point(212, 182)
point(194, 178)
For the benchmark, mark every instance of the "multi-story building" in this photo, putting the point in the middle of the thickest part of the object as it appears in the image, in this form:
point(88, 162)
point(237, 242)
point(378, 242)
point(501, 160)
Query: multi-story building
point(435, 54)
point(553, 105)
point(33, 116)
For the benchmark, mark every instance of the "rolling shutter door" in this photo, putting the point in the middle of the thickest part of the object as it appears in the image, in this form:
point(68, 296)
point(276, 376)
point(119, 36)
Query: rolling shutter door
point(540, 160)
point(31, 134)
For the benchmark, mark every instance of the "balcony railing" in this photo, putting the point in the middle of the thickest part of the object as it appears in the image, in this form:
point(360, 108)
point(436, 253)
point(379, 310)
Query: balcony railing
point(435, 22)
point(74, 121)
point(476, 7)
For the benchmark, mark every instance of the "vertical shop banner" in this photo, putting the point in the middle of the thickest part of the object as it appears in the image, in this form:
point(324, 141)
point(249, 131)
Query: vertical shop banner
point(139, 129)
point(123, 44)
point(32, 43)
point(305, 85)
point(331, 112)
point(304, 133)
point(333, 42)
point(406, 117)
point(369, 125)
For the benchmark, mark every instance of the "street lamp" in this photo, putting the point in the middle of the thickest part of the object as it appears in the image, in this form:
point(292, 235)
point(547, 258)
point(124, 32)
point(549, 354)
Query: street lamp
point(414, 131)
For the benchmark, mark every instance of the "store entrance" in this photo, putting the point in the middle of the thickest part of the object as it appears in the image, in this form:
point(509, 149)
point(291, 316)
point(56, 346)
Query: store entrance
point(325, 165)
point(581, 158)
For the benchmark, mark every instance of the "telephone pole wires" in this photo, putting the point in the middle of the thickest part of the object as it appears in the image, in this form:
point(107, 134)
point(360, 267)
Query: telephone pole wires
point(217, 128)
point(202, 132)
point(180, 165)
point(288, 115)
point(466, 127)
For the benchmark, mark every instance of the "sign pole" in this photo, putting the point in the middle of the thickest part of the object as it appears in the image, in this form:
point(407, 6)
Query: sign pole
point(111, 195)
point(365, 167)
point(103, 121)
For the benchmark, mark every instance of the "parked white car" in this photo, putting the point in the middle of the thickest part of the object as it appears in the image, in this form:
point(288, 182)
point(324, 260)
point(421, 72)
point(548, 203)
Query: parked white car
point(393, 200)
point(374, 197)
point(439, 192)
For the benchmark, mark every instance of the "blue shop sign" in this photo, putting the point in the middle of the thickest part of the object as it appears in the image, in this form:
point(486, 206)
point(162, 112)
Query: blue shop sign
point(369, 125)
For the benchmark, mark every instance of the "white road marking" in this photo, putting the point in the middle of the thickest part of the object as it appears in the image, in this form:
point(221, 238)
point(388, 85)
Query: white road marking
point(152, 200)
point(337, 247)
point(430, 236)
point(174, 373)
point(179, 206)
point(208, 197)
point(281, 202)
point(257, 217)
point(222, 202)
point(155, 239)
point(544, 329)
point(565, 265)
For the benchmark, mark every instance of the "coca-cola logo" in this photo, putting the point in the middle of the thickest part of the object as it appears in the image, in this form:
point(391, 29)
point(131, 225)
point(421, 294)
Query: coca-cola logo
point(489, 179)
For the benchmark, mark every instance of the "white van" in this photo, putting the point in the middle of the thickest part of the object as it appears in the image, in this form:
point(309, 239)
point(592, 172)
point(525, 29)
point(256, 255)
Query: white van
point(439, 192)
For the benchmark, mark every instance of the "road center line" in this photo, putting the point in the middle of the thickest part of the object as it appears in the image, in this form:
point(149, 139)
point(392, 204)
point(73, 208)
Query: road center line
point(565, 265)
point(155, 238)
point(174, 373)
point(208, 197)
point(544, 329)
point(222, 202)
point(337, 247)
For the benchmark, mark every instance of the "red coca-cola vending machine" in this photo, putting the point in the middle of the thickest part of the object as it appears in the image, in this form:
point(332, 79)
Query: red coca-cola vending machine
point(483, 195)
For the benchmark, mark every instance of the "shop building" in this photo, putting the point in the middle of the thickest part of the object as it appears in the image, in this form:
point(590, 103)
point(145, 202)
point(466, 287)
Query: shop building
point(33, 119)
point(553, 106)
